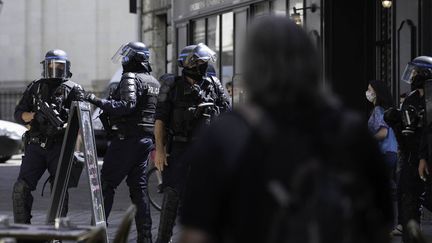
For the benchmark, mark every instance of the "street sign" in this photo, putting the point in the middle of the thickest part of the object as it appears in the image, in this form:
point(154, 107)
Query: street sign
point(79, 123)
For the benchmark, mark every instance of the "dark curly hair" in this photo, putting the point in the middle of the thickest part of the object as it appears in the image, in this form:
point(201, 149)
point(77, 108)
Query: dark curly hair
point(383, 95)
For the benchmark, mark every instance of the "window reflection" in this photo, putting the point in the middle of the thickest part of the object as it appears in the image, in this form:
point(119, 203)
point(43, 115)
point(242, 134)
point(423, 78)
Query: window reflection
point(213, 37)
point(198, 31)
point(182, 41)
point(261, 9)
point(227, 53)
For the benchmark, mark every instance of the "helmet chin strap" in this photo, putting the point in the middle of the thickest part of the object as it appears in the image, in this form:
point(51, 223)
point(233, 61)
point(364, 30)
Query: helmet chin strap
point(192, 74)
point(197, 72)
point(137, 67)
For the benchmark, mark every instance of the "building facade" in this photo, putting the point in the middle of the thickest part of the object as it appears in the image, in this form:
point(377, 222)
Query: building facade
point(89, 31)
point(358, 41)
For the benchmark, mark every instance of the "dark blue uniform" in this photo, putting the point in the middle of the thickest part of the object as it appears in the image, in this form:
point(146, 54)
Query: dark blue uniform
point(130, 117)
point(176, 98)
point(178, 108)
point(410, 186)
point(42, 142)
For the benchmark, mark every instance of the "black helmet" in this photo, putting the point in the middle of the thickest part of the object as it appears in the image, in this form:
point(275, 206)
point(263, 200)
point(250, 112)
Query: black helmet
point(132, 52)
point(56, 65)
point(193, 55)
point(418, 71)
point(194, 60)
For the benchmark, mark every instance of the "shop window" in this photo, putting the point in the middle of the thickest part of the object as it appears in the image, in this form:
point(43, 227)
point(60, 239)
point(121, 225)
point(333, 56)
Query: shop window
point(279, 7)
point(213, 37)
point(227, 52)
point(261, 9)
point(241, 19)
point(181, 41)
point(198, 31)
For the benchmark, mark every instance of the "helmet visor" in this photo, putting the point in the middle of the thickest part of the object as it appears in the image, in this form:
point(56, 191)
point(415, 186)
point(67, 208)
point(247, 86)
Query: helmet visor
point(204, 53)
point(125, 53)
point(55, 68)
point(200, 54)
point(409, 72)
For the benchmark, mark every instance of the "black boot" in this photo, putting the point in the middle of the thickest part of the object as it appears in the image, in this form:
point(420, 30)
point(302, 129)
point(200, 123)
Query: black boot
point(143, 220)
point(168, 215)
point(22, 202)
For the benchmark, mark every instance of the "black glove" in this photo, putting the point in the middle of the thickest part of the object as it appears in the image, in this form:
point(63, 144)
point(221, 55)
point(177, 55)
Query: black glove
point(39, 117)
point(90, 97)
point(79, 93)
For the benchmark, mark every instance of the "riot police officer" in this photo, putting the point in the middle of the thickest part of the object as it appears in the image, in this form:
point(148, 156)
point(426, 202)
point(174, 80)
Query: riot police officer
point(185, 103)
point(44, 107)
point(409, 125)
point(128, 116)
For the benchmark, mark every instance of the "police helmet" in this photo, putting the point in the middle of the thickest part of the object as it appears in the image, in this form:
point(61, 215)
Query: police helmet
point(132, 52)
point(417, 71)
point(194, 55)
point(56, 65)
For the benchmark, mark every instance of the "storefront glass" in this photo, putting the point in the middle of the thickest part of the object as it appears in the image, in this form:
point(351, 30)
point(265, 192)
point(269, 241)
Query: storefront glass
point(227, 54)
point(198, 31)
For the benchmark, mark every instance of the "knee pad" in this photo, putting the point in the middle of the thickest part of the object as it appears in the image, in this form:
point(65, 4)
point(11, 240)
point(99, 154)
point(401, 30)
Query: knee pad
point(21, 188)
point(22, 202)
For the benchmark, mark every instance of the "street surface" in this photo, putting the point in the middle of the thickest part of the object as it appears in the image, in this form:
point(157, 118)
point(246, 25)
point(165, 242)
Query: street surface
point(79, 201)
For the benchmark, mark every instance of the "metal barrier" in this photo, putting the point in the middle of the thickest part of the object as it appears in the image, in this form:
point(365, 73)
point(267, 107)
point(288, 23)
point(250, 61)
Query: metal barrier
point(8, 101)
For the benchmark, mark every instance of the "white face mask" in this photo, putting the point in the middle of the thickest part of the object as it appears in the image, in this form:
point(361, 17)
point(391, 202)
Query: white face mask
point(370, 96)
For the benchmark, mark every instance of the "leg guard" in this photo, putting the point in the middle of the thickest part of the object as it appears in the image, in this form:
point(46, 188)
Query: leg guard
point(143, 218)
point(168, 215)
point(22, 202)
point(410, 211)
point(108, 195)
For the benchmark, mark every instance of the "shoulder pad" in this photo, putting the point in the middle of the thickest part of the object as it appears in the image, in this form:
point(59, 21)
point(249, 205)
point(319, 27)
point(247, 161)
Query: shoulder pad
point(128, 89)
point(70, 84)
point(128, 76)
point(32, 83)
point(215, 79)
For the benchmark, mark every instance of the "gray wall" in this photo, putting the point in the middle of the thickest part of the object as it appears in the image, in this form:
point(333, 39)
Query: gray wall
point(89, 31)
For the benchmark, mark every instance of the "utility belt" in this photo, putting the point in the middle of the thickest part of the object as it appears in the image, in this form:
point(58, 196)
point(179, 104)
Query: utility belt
point(121, 134)
point(43, 142)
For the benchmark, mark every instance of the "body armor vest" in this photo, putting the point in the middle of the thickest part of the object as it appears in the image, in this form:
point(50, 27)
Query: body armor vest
point(413, 118)
point(185, 117)
point(142, 119)
point(57, 96)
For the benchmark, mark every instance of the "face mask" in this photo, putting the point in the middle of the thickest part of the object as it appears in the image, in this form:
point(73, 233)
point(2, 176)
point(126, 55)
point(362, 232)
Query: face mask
point(370, 96)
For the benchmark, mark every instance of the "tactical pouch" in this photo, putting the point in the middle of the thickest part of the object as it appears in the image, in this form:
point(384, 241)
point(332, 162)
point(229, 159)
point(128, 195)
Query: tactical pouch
point(25, 140)
point(76, 170)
